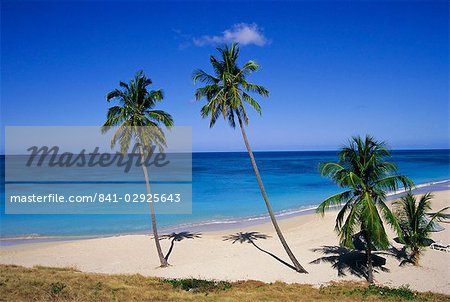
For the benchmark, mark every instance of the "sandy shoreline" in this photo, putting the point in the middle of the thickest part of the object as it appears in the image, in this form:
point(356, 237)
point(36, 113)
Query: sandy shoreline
point(310, 237)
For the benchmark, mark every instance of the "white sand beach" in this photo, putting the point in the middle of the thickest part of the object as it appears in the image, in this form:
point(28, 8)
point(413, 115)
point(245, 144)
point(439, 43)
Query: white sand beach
point(211, 257)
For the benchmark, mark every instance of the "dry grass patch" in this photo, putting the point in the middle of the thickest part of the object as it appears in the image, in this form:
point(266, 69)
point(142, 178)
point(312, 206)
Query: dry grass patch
point(59, 284)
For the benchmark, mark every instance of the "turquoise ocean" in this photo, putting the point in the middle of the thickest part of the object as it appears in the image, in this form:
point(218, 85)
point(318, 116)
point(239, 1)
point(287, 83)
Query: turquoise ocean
point(225, 193)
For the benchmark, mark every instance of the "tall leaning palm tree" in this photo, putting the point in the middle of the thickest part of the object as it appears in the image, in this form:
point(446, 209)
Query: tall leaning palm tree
point(416, 223)
point(226, 92)
point(138, 121)
point(363, 171)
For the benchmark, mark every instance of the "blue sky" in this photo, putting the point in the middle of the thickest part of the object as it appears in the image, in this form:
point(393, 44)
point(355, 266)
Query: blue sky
point(333, 69)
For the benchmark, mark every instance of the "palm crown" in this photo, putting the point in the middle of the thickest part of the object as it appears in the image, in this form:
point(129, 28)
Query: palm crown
point(135, 115)
point(228, 89)
point(362, 169)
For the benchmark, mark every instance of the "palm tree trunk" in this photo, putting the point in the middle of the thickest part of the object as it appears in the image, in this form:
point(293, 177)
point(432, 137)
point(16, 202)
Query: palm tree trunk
point(369, 258)
point(415, 256)
point(294, 260)
point(162, 260)
point(369, 266)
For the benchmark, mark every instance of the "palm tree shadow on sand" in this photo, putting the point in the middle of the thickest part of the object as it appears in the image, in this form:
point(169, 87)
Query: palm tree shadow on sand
point(178, 237)
point(251, 237)
point(349, 261)
point(399, 254)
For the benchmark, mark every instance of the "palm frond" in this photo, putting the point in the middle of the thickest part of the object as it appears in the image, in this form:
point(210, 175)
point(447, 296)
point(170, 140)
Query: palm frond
point(160, 116)
point(390, 218)
point(247, 98)
point(227, 90)
point(349, 227)
point(202, 76)
point(335, 200)
point(134, 111)
point(255, 88)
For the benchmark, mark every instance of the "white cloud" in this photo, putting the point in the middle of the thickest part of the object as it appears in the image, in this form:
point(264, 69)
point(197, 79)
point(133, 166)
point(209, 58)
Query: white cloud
point(242, 33)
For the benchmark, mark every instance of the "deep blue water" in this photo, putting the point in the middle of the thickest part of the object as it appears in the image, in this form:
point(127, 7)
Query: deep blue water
point(225, 188)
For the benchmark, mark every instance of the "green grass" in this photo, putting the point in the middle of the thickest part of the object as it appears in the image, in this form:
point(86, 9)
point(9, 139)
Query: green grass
point(397, 293)
point(59, 284)
point(198, 285)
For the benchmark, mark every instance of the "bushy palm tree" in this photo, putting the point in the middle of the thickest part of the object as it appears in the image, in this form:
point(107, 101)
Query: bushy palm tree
point(367, 176)
point(138, 121)
point(416, 222)
point(226, 92)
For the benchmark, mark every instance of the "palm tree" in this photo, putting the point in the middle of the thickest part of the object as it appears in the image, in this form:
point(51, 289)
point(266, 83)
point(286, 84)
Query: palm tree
point(137, 120)
point(416, 224)
point(226, 92)
point(367, 176)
